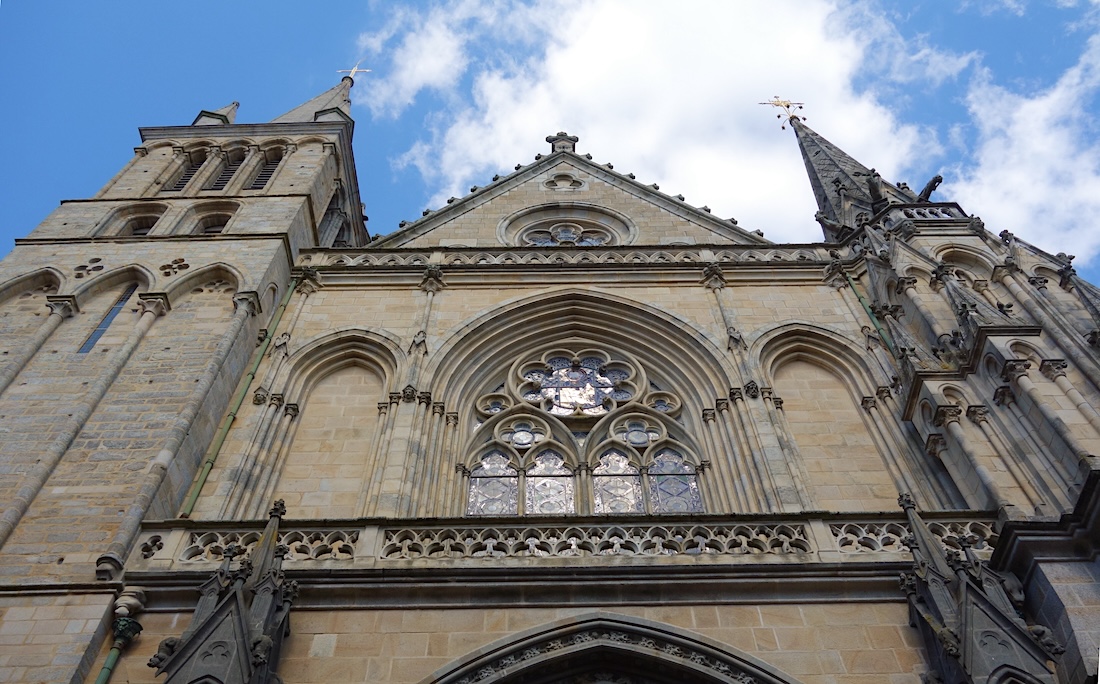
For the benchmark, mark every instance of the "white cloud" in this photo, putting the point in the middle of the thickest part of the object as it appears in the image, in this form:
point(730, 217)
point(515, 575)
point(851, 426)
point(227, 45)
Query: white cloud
point(1037, 170)
point(665, 92)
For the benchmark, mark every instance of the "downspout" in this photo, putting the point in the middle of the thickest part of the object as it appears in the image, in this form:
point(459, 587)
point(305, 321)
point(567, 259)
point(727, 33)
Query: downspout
point(874, 321)
point(235, 405)
point(125, 630)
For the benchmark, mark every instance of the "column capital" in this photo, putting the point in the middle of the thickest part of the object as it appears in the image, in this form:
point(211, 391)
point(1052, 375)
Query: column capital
point(1053, 368)
point(946, 413)
point(904, 283)
point(452, 418)
point(1014, 368)
point(248, 299)
point(1003, 396)
point(62, 305)
point(708, 415)
point(980, 285)
point(154, 302)
point(867, 403)
point(291, 410)
point(1038, 282)
point(977, 413)
point(721, 404)
point(935, 444)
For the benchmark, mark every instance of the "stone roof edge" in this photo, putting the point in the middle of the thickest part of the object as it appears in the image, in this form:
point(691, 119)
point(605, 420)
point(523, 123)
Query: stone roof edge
point(502, 184)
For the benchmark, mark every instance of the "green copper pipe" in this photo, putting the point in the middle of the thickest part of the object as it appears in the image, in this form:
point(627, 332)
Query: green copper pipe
point(125, 630)
point(235, 405)
point(870, 314)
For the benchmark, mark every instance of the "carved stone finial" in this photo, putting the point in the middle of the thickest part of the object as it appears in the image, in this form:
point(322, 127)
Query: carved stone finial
point(278, 509)
point(563, 142)
point(906, 501)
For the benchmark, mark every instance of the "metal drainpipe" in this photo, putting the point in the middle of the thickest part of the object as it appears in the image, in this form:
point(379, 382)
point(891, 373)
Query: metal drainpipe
point(125, 630)
point(874, 321)
point(235, 405)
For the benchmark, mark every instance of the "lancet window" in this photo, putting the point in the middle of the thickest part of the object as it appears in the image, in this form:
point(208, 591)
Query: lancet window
point(580, 431)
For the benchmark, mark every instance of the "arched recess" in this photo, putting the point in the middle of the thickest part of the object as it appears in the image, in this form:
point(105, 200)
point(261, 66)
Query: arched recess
point(849, 459)
point(218, 272)
point(314, 438)
point(23, 309)
point(112, 279)
point(672, 360)
point(628, 649)
point(673, 351)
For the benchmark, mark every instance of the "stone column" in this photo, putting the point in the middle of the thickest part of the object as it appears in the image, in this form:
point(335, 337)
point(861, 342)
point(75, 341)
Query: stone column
point(721, 500)
point(448, 456)
point(948, 416)
point(764, 484)
point(907, 285)
point(61, 307)
point(1015, 371)
point(788, 446)
point(152, 306)
point(734, 471)
point(1055, 370)
point(246, 305)
point(978, 414)
point(1038, 462)
point(1085, 365)
point(901, 478)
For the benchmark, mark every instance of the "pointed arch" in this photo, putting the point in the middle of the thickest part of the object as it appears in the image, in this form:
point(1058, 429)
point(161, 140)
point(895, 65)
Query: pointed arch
point(600, 641)
point(124, 274)
point(193, 279)
point(338, 348)
point(803, 340)
point(43, 277)
point(670, 347)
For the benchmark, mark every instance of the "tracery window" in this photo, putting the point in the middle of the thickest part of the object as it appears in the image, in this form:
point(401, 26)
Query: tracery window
point(567, 235)
point(573, 411)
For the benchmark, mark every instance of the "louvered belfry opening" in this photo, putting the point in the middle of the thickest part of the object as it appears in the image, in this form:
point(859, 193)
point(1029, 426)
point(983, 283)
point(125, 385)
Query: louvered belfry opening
point(271, 162)
point(195, 161)
point(231, 165)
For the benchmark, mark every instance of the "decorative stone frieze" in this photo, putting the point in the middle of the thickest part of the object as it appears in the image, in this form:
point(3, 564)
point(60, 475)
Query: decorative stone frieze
point(610, 540)
point(302, 545)
point(876, 537)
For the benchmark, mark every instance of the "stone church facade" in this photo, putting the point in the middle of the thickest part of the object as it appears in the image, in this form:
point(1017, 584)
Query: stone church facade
point(566, 428)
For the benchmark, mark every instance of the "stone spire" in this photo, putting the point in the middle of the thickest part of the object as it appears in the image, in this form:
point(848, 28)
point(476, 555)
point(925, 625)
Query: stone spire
point(218, 117)
point(332, 105)
point(847, 192)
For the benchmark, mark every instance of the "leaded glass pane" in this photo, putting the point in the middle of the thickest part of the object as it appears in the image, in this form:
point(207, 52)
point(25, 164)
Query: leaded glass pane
point(581, 387)
point(494, 487)
point(617, 485)
point(549, 488)
point(673, 487)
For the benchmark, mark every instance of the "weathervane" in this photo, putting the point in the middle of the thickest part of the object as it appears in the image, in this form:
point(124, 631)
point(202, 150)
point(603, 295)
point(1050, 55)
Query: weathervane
point(787, 106)
point(354, 70)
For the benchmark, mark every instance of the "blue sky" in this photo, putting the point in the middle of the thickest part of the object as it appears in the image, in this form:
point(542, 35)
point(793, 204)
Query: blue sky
point(999, 96)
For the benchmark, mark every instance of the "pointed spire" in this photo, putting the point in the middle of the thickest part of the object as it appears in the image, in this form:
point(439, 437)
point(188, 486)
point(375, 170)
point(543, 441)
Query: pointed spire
point(332, 105)
point(843, 187)
point(218, 117)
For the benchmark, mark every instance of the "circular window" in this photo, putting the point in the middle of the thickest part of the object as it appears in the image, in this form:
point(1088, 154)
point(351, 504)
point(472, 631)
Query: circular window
point(566, 224)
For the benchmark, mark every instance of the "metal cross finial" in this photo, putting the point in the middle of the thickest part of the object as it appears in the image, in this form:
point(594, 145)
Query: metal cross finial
point(791, 108)
point(354, 70)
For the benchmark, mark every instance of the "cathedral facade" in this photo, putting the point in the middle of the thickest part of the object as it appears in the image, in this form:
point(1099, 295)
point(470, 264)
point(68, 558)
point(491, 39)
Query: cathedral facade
point(566, 428)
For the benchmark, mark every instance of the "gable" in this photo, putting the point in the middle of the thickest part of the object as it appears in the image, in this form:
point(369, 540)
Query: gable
point(567, 199)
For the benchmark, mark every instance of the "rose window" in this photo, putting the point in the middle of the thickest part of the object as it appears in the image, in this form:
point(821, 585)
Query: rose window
point(578, 386)
point(567, 235)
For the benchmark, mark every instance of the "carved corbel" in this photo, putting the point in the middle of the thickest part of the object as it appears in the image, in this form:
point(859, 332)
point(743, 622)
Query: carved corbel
point(713, 278)
point(1003, 396)
point(432, 280)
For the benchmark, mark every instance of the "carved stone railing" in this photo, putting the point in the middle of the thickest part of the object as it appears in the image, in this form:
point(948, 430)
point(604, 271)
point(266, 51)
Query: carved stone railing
point(301, 545)
point(801, 254)
point(640, 540)
point(186, 546)
point(856, 537)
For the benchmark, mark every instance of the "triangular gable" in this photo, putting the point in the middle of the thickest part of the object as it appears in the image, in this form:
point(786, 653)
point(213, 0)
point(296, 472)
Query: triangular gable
point(567, 186)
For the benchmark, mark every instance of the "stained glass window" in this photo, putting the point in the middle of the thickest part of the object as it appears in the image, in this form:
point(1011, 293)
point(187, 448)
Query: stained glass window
point(523, 434)
point(672, 484)
point(565, 235)
point(549, 489)
point(585, 387)
point(617, 485)
point(494, 487)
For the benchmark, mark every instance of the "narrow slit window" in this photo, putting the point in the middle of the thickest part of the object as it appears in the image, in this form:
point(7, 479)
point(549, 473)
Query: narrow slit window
point(194, 163)
point(227, 173)
point(107, 318)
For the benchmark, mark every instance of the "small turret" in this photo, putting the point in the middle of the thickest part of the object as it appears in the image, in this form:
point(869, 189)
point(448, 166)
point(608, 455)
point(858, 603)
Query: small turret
point(219, 117)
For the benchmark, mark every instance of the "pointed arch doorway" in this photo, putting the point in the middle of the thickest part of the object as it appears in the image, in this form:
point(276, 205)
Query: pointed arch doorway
point(607, 648)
